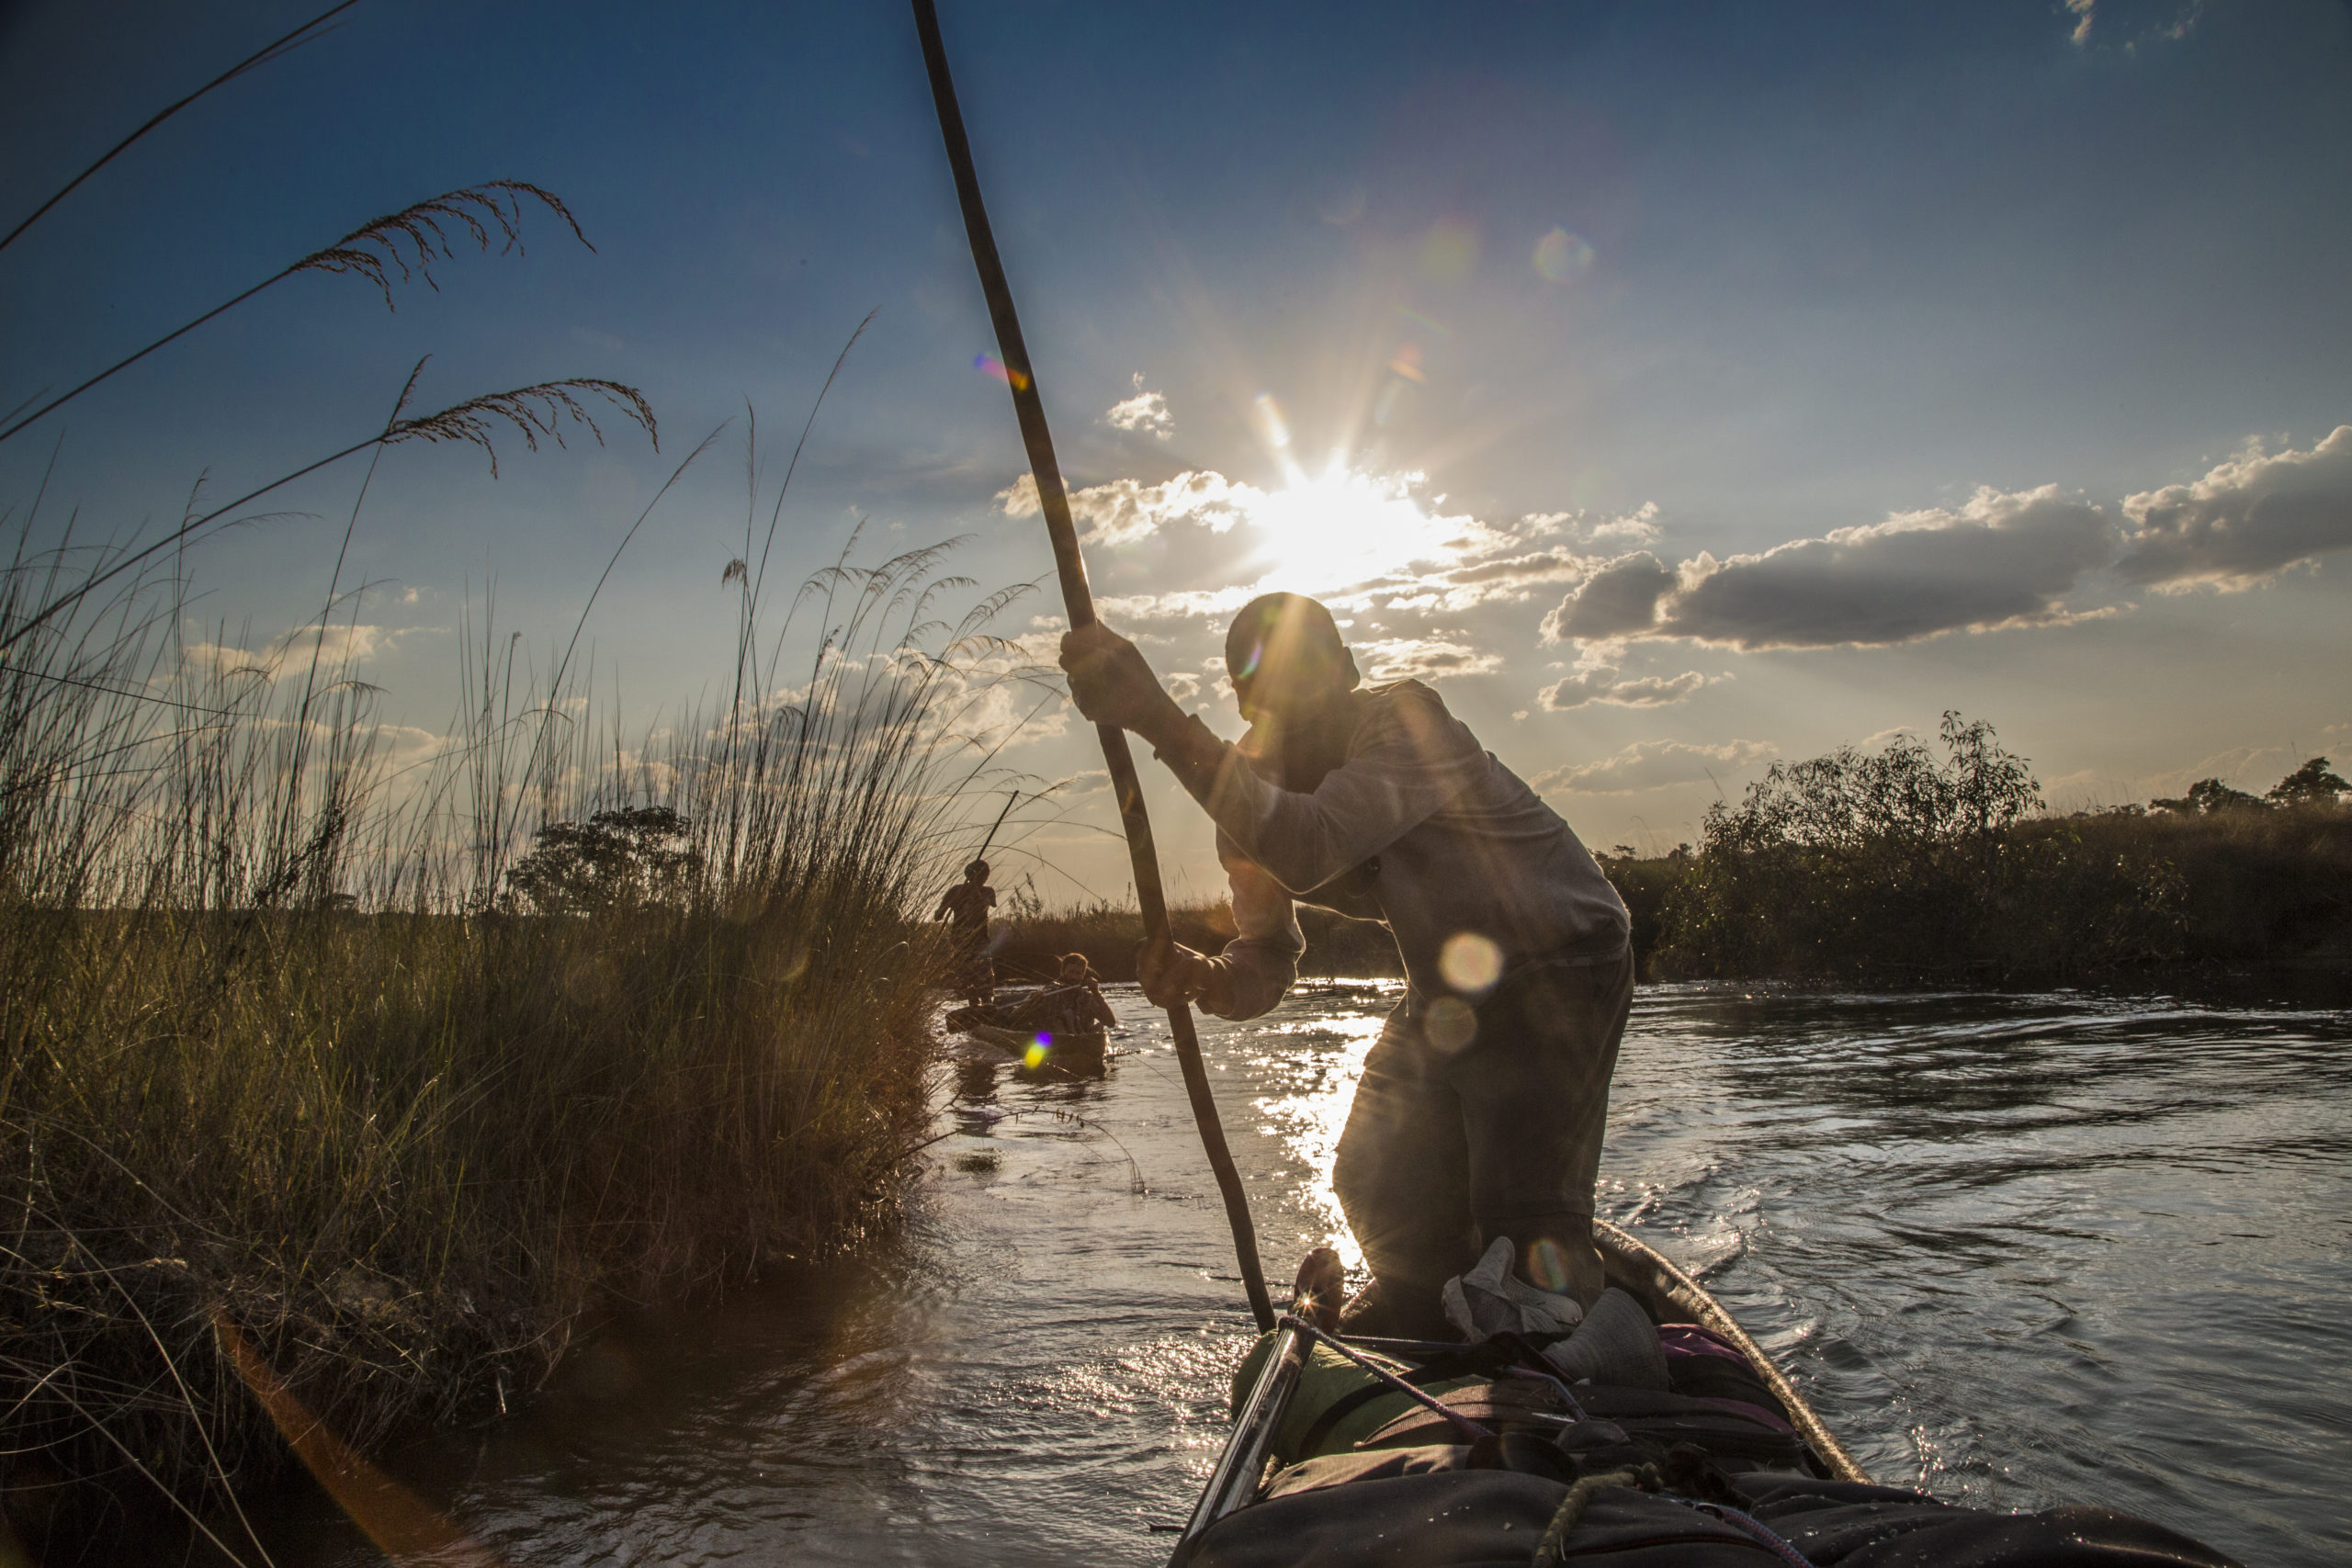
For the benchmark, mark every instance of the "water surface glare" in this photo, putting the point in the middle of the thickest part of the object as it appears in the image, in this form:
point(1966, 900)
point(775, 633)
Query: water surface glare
point(2019, 1250)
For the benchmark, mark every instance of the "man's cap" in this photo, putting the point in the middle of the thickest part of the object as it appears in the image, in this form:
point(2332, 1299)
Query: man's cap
point(1278, 628)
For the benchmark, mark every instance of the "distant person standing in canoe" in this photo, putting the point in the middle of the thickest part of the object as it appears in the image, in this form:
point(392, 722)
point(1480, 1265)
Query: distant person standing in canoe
point(1481, 1108)
point(967, 904)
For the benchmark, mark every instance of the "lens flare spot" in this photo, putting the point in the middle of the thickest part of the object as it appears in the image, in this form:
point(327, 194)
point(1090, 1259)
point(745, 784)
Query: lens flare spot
point(1342, 207)
point(1450, 1024)
point(1272, 428)
point(1547, 1266)
point(1448, 250)
point(1470, 963)
point(1561, 258)
point(1035, 1057)
point(991, 365)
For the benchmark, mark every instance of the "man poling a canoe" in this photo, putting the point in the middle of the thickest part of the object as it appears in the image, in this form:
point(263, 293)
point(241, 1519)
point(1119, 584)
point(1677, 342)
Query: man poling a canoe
point(1481, 1108)
point(967, 904)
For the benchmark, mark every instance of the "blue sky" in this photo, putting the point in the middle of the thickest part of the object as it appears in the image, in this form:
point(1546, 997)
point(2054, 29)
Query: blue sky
point(1676, 387)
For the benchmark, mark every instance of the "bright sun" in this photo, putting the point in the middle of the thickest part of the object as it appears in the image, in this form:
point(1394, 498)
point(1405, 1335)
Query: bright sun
point(1343, 528)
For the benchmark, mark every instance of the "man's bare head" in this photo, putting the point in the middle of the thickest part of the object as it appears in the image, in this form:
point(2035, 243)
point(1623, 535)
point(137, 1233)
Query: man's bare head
point(1285, 659)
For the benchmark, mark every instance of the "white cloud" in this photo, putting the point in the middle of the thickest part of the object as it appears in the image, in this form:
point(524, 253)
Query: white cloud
point(1636, 527)
point(1144, 412)
point(2003, 559)
point(401, 747)
point(1193, 603)
point(2247, 520)
point(1598, 680)
point(1124, 511)
point(1576, 690)
point(1618, 599)
point(1500, 580)
point(1639, 527)
point(1654, 690)
point(2173, 21)
point(1654, 765)
point(340, 649)
point(1422, 659)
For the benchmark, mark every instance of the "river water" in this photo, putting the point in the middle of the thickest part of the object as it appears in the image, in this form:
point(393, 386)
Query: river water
point(2017, 1250)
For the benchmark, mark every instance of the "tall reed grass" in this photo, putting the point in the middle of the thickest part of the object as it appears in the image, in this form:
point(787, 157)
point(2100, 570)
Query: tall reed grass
point(284, 1050)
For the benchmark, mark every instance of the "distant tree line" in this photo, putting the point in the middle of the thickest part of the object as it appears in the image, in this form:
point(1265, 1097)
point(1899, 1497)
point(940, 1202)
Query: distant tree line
point(1903, 864)
point(2314, 784)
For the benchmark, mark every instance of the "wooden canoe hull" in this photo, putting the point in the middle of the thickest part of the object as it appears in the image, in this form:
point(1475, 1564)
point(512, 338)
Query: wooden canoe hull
point(1068, 1048)
point(1673, 1296)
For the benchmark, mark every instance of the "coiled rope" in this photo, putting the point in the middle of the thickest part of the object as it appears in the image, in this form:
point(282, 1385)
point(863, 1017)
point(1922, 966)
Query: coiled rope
point(1552, 1550)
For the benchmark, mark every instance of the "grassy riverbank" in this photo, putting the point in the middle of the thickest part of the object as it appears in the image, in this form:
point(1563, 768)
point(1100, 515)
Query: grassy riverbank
point(398, 1075)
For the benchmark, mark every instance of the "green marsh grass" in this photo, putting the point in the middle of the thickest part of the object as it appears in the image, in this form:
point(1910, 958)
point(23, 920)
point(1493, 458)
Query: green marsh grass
point(282, 1046)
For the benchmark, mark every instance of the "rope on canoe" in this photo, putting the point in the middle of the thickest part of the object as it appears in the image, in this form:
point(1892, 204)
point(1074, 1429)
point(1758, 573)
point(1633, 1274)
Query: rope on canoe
point(1552, 1550)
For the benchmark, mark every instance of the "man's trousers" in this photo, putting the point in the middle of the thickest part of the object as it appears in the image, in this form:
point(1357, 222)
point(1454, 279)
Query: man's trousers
point(1445, 1150)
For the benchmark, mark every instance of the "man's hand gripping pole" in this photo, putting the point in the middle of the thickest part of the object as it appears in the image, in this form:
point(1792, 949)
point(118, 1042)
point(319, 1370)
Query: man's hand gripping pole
point(1080, 602)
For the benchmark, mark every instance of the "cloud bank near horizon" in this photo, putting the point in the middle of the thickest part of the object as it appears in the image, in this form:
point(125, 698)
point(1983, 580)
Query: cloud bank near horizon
point(2004, 560)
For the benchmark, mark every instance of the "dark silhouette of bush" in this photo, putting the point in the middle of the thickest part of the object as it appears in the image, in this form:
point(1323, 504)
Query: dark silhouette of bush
point(1899, 864)
point(2312, 784)
point(2208, 795)
point(619, 859)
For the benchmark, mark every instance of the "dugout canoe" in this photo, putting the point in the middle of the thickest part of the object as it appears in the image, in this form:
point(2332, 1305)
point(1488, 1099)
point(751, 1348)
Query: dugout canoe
point(1669, 1295)
point(1074, 1052)
point(1666, 1292)
point(1698, 1452)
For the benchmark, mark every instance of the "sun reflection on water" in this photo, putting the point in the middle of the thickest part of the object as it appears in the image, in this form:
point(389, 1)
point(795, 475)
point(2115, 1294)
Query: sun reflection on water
point(1325, 1058)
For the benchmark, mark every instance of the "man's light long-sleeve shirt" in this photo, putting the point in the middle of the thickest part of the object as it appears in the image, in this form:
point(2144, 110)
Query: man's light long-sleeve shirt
point(1421, 828)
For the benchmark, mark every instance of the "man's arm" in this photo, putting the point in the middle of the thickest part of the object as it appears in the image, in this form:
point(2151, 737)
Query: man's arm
point(1412, 760)
point(1258, 964)
point(1256, 968)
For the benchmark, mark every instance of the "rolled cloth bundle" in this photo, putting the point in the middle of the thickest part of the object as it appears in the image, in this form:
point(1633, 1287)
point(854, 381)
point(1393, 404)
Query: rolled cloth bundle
point(1616, 1343)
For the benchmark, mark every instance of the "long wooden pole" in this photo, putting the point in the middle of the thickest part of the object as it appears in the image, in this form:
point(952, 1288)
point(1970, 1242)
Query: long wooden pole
point(1078, 599)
